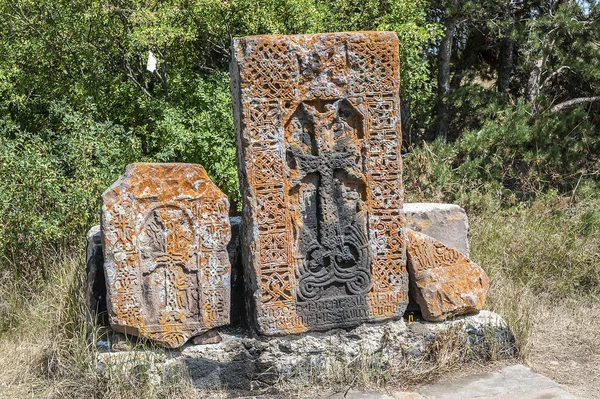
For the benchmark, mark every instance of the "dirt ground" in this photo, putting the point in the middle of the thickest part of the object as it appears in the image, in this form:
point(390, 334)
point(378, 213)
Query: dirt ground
point(566, 347)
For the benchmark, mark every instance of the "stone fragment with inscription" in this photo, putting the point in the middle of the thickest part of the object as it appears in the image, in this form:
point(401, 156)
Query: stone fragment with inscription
point(165, 229)
point(445, 282)
point(318, 135)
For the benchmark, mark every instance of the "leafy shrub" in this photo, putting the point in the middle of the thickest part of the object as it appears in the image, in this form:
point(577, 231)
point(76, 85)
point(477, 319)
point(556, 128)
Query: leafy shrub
point(51, 181)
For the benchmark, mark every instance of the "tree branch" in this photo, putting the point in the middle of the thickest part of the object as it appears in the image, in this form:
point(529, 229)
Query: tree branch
point(555, 74)
point(575, 101)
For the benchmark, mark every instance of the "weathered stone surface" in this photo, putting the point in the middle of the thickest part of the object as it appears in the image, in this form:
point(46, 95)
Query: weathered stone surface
point(446, 283)
point(240, 361)
point(447, 223)
point(165, 228)
point(318, 134)
point(95, 282)
point(512, 382)
point(96, 285)
point(356, 394)
point(209, 337)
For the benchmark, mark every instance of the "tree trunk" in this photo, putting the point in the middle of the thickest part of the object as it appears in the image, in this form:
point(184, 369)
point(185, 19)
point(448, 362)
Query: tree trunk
point(575, 101)
point(534, 82)
point(475, 42)
point(507, 47)
point(506, 64)
point(444, 56)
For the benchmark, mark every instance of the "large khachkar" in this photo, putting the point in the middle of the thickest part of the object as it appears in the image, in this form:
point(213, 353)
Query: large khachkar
point(165, 228)
point(318, 134)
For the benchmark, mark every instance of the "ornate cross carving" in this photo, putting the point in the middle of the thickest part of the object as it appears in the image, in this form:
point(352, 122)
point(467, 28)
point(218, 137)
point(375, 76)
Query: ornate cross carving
point(332, 235)
point(169, 240)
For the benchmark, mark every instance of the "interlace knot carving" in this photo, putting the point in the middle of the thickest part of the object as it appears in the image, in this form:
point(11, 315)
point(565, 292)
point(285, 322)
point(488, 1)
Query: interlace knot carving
point(332, 236)
point(170, 239)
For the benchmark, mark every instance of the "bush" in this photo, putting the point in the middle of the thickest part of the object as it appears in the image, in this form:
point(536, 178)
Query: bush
point(51, 181)
point(513, 157)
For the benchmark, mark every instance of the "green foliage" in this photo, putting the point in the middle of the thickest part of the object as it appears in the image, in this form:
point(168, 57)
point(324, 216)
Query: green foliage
point(50, 181)
point(197, 126)
point(77, 103)
point(514, 157)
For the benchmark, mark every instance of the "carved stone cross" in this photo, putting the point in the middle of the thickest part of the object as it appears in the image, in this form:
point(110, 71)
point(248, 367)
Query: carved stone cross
point(165, 228)
point(318, 135)
point(334, 241)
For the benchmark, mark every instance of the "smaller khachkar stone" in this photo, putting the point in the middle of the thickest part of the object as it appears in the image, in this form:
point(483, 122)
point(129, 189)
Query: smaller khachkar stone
point(165, 229)
point(446, 283)
point(318, 136)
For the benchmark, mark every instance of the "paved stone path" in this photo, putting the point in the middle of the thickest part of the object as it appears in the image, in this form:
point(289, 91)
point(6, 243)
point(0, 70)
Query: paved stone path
point(513, 382)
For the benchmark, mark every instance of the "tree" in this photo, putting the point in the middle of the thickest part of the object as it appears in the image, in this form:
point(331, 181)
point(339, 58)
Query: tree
point(78, 104)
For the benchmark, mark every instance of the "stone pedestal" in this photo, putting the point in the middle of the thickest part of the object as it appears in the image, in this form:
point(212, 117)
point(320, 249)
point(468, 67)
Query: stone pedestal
point(243, 362)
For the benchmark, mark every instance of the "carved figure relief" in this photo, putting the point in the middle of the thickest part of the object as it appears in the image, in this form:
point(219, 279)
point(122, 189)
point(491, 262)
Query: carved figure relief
point(318, 136)
point(170, 273)
point(165, 230)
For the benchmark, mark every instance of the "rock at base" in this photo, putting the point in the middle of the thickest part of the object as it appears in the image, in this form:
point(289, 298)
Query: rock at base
point(243, 362)
point(446, 283)
point(209, 337)
point(447, 223)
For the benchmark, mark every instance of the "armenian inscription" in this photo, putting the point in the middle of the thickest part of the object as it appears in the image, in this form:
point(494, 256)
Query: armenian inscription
point(318, 135)
point(446, 282)
point(165, 229)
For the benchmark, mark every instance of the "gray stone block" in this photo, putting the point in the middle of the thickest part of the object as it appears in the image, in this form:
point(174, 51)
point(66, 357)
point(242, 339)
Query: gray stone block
point(95, 281)
point(242, 361)
point(447, 223)
point(518, 382)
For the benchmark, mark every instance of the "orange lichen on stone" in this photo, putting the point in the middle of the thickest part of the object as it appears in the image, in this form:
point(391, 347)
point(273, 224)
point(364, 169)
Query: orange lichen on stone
point(165, 228)
point(318, 134)
point(445, 282)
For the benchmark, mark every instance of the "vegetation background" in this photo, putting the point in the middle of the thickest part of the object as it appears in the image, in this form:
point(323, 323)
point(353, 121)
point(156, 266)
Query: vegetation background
point(500, 110)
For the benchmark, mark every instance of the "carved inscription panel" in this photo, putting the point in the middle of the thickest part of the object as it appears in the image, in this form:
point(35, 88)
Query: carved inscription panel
point(318, 135)
point(165, 229)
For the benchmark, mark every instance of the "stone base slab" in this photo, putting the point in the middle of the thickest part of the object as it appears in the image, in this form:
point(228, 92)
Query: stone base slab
point(242, 362)
point(511, 382)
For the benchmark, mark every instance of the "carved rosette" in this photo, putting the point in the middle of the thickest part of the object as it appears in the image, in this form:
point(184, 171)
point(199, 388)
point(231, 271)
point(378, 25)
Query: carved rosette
point(318, 135)
point(165, 228)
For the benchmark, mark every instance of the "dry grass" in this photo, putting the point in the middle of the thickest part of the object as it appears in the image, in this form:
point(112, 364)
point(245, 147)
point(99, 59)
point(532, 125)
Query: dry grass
point(449, 351)
point(44, 352)
point(544, 267)
point(566, 345)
